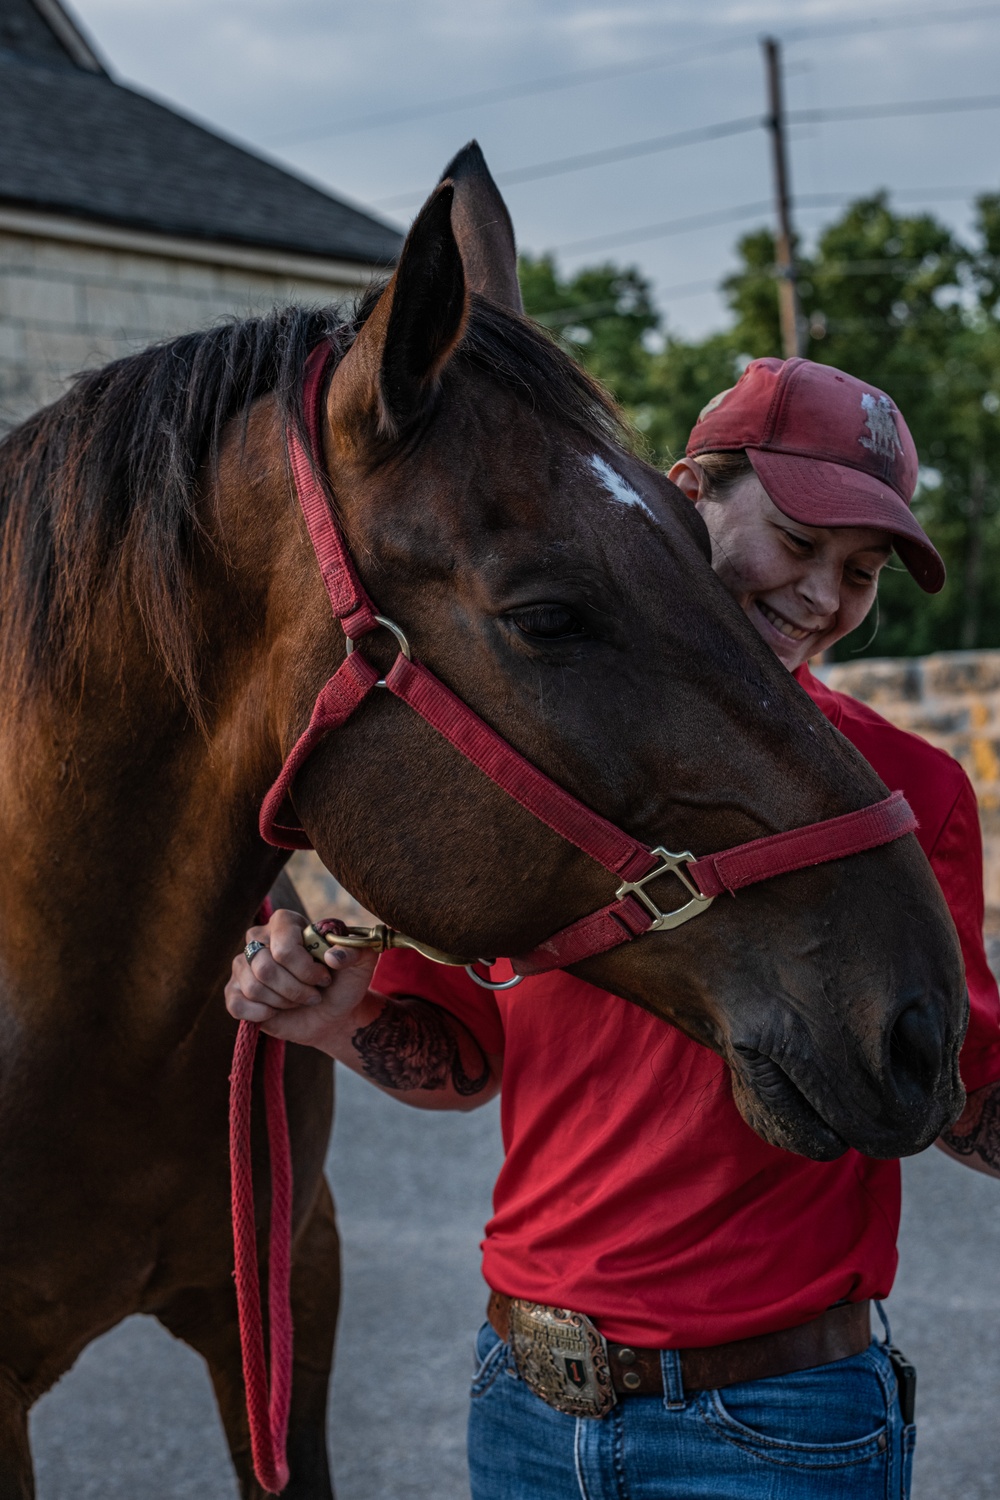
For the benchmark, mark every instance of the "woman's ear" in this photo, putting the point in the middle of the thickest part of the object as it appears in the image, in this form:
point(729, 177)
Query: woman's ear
point(689, 477)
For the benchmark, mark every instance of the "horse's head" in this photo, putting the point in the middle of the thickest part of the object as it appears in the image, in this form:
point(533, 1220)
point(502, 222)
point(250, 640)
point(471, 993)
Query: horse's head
point(562, 587)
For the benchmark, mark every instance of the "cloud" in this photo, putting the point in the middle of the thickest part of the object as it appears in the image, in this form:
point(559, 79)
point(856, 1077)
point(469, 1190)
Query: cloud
point(269, 70)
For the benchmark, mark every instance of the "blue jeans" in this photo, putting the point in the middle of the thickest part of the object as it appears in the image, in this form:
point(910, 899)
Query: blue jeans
point(834, 1431)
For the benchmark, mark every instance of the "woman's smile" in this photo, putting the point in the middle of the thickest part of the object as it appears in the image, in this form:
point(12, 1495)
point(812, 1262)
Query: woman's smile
point(781, 623)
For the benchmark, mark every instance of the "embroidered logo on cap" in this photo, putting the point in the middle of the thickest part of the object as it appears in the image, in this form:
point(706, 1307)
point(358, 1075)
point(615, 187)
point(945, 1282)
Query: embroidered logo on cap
point(715, 401)
point(880, 419)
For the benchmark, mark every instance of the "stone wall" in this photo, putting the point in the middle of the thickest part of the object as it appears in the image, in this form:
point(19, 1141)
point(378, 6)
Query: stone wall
point(953, 700)
point(68, 305)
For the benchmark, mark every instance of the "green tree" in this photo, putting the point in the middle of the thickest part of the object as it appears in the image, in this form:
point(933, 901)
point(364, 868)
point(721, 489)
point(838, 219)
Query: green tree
point(898, 300)
point(681, 380)
point(602, 314)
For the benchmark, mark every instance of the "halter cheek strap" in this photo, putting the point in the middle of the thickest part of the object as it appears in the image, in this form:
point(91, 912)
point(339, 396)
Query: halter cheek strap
point(633, 912)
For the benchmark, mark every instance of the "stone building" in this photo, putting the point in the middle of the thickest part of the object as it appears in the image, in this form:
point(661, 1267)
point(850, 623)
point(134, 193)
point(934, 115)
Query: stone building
point(122, 221)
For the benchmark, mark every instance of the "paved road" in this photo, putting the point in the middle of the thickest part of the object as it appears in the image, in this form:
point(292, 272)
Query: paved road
point(135, 1420)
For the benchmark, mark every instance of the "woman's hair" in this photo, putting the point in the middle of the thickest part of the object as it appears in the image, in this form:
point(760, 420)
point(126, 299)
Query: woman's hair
point(723, 471)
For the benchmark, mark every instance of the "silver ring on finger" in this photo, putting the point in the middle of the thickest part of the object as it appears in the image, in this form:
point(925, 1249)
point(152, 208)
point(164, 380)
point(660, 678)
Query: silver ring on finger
point(252, 949)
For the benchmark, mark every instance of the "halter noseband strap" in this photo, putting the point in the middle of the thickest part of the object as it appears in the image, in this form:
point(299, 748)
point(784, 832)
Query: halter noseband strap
point(633, 912)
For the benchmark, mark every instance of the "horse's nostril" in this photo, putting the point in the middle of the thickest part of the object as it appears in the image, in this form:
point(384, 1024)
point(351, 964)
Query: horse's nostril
point(915, 1046)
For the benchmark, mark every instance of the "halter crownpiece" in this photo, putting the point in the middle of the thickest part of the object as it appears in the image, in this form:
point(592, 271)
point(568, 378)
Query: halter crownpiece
point(633, 911)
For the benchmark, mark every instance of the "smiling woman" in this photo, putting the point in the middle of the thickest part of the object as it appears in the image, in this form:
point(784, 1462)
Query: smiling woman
point(804, 477)
point(802, 587)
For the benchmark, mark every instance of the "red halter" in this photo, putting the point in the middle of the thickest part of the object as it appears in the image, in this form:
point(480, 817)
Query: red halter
point(633, 912)
point(630, 915)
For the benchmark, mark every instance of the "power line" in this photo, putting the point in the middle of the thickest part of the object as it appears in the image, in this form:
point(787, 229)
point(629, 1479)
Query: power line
point(688, 289)
point(887, 111)
point(503, 92)
point(709, 220)
point(717, 217)
point(610, 154)
point(908, 22)
point(559, 81)
point(565, 317)
point(901, 195)
point(816, 200)
point(654, 144)
point(844, 268)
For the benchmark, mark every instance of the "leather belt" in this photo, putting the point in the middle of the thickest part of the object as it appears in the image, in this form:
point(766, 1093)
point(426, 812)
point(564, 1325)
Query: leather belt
point(838, 1333)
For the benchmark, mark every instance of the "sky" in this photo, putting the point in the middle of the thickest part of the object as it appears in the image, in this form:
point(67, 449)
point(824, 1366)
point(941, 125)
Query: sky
point(371, 98)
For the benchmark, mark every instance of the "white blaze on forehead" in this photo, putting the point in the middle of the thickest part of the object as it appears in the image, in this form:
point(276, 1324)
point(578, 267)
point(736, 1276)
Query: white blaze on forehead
point(618, 487)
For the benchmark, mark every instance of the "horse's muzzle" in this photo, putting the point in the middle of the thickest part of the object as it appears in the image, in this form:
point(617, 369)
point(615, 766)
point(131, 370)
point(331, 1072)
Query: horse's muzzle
point(891, 1105)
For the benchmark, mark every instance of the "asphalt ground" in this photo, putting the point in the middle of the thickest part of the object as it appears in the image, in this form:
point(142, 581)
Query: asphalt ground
point(135, 1419)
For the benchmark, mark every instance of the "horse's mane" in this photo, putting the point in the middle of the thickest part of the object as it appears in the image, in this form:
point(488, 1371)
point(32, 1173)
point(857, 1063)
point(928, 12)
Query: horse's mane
point(101, 489)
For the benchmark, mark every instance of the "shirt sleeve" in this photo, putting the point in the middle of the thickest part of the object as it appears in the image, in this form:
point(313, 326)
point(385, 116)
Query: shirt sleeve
point(404, 974)
point(957, 861)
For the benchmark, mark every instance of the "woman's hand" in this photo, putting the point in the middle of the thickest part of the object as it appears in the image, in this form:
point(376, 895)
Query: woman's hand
point(411, 1048)
point(292, 996)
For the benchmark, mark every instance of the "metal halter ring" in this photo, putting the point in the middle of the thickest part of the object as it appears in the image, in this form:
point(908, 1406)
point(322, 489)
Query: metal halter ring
point(252, 949)
point(401, 642)
point(492, 984)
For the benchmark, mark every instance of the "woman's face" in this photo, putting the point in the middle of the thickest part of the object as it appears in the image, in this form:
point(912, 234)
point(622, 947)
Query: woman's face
point(801, 587)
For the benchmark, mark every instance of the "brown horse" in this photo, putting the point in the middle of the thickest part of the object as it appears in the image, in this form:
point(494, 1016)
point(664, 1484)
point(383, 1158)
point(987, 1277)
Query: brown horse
point(165, 633)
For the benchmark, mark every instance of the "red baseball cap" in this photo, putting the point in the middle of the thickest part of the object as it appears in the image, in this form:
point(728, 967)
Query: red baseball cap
point(828, 449)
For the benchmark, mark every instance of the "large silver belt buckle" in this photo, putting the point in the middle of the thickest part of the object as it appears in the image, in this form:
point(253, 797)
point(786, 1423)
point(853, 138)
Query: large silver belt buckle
point(561, 1357)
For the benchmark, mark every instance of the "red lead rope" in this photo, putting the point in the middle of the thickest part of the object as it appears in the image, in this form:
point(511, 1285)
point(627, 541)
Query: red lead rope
point(267, 1410)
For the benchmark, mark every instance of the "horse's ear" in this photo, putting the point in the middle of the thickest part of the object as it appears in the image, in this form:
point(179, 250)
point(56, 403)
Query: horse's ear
point(483, 229)
point(390, 372)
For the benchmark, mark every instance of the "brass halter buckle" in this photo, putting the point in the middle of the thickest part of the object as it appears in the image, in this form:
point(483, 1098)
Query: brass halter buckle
point(670, 864)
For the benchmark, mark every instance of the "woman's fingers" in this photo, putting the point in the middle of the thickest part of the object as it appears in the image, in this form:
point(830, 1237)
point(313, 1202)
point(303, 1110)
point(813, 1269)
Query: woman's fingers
point(285, 931)
point(243, 1009)
point(280, 973)
point(263, 980)
point(339, 959)
point(266, 980)
point(281, 977)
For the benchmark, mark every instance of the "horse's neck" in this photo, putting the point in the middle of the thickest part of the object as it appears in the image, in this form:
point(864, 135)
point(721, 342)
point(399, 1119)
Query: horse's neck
point(129, 857)
point(130, 861)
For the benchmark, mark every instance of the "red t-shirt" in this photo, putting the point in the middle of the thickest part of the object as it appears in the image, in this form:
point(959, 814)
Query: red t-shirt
point(632, 1189)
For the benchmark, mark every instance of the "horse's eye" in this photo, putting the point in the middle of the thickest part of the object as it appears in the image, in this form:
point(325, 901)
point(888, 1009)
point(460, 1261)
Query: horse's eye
point(547, 622)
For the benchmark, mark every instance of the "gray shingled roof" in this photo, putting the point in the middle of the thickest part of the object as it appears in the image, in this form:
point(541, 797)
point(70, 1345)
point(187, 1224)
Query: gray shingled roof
point(74, 141)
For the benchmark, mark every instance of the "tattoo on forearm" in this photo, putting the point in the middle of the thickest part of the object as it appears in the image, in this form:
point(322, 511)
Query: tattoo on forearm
point(412, 1045)
point(977, 1129)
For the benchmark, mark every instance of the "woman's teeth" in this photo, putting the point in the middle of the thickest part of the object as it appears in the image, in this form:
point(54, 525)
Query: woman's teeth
point(792, 631)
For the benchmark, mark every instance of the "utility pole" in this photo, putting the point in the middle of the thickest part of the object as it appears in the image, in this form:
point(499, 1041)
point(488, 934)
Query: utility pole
point(788, 295)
